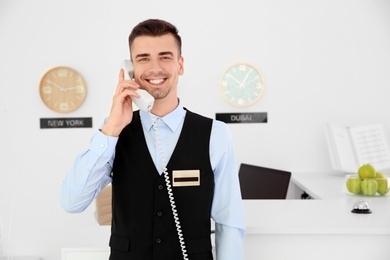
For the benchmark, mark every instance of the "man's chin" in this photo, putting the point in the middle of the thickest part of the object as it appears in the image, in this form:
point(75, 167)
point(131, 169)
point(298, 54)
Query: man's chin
point(158, 94)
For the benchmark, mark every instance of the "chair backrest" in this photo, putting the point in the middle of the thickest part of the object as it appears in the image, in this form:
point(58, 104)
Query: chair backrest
point(103, 206)
point(258, 182)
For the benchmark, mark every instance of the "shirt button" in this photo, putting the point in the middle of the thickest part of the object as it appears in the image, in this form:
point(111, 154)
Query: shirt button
point(160, 187)
point(101, 145)
point(159, 213)
point(158, 240)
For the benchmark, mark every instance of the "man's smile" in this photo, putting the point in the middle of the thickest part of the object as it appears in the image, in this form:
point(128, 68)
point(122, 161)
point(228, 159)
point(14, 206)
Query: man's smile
point(155, 81)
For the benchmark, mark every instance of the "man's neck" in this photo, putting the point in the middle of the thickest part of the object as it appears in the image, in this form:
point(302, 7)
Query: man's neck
point(163, 107)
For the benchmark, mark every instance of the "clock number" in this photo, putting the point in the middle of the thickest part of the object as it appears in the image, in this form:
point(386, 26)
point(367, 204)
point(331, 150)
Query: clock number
point(46, 90)
point(242, 67)
point(62, 73)
point(64, 106)
point(79, 89)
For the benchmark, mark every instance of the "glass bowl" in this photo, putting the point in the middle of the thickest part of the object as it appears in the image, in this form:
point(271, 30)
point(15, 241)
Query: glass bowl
point(367, 186)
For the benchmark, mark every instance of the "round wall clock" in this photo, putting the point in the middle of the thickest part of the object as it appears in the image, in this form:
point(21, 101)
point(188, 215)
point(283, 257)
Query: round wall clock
point(63, 89)
point(241, 85)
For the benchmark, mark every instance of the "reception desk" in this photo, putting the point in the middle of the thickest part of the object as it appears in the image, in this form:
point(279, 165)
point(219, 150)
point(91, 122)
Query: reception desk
point(321, 228)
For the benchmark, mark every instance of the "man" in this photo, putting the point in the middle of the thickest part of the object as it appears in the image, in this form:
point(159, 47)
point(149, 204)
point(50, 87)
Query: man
point(134, 151)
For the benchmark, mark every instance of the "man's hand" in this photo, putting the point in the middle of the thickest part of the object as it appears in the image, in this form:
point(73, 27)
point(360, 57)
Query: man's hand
point(121, 112)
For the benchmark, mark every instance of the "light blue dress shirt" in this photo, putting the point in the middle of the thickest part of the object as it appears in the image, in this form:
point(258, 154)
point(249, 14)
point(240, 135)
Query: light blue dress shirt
point(92, 171)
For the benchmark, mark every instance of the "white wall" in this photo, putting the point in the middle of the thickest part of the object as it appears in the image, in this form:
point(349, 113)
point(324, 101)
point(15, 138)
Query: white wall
point(322, 61)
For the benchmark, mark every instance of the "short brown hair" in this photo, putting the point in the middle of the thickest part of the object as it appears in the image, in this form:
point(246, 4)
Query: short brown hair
point(155, 27)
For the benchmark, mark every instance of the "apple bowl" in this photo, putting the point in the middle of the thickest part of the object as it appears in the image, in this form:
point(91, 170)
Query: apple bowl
point(367, 186)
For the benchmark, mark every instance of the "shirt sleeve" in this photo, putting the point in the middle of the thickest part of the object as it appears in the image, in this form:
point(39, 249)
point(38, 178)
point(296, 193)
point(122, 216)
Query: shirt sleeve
point(90, 173)
point(227, 209)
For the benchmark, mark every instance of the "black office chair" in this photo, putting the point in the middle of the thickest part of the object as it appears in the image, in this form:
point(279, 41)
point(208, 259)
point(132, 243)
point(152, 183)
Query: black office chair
point(258, 182)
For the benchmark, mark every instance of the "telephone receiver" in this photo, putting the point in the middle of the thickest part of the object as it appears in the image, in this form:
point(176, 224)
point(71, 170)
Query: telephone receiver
point(145, 101)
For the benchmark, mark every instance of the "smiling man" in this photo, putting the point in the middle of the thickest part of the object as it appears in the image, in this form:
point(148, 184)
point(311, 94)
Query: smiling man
point(171, 170)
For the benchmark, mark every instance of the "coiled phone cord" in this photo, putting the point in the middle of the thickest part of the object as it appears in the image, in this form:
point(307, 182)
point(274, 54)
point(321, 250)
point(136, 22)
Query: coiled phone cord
point(169, 189)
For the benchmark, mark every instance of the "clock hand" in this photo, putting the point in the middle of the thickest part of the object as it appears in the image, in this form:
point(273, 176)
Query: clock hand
point(243, 82)
point(66, 89)
point(78, 88)
point(233, 78)
point(55, 84)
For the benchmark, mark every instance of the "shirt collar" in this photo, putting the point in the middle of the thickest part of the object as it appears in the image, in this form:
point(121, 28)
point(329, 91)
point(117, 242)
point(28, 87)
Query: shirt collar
point(172, 120)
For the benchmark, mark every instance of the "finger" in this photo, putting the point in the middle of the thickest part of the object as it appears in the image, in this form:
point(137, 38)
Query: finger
point(119, 88)
point(129, 92)
point(125, 84)
point(121, 75)
point(130, 85)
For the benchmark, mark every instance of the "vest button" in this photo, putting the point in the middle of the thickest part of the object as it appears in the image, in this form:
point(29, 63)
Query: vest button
point(160, 187)
point(158, 240)
point(159, 213)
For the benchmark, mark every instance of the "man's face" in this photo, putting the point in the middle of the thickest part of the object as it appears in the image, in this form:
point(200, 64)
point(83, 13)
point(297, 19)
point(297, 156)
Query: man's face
point(157, 65)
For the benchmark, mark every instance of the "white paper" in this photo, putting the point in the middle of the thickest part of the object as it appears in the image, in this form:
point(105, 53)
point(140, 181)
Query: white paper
point(370, 145)
point(351, 147)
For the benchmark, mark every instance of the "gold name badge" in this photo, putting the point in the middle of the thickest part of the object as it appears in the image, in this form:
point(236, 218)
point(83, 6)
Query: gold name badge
point(186, 178)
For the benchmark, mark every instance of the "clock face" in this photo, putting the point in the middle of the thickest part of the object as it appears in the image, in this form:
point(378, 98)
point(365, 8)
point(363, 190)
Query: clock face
point(63, 89)
point(241, 85)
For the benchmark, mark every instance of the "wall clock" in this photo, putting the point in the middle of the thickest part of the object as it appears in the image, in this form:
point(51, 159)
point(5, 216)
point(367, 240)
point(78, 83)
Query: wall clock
point(241, 84)
point(63, 89)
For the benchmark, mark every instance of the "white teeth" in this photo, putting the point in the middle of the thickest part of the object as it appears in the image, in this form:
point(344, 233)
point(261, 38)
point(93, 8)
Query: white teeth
point(156, 81)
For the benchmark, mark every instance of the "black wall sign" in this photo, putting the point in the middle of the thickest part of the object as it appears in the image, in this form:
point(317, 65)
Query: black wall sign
point(83, 122)
point(234, 118)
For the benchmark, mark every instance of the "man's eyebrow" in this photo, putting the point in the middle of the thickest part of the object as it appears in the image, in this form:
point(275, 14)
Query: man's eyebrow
point(165, 53)
point(142, 55)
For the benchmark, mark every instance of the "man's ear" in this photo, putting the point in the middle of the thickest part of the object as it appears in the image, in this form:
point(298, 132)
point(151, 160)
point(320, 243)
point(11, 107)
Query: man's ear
point(181, 66)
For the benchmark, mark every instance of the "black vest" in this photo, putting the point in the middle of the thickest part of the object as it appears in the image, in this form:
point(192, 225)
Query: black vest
point(143, 226)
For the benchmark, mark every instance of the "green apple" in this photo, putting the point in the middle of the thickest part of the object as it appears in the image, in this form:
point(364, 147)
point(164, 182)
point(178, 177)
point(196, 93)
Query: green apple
point(379, 175)
point(354, 185)
point(369, 187)
point(366, 171)
point(383, 185)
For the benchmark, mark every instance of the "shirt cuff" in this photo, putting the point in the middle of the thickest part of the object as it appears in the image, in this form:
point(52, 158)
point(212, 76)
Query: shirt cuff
point(103, 145)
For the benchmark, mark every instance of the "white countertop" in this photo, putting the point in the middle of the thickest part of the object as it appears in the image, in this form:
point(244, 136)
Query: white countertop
point(329, 213)
point(313, 217)
point(325, 186)
point(321, 185)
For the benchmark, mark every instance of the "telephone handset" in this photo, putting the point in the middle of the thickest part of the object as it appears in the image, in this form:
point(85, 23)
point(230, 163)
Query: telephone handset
point(145, 101)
